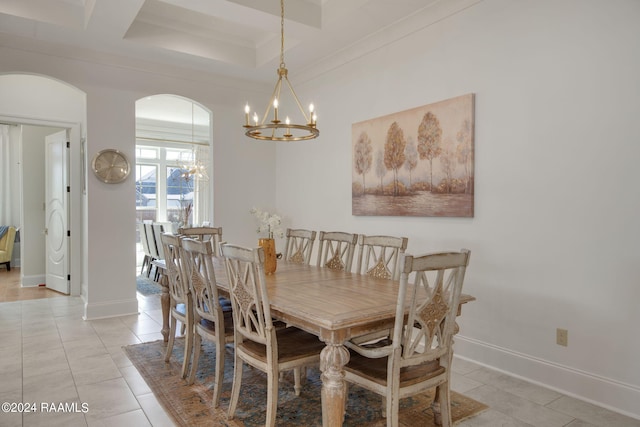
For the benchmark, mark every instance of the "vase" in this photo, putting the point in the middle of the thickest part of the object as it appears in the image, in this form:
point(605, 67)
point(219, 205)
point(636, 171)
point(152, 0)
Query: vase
point(270, 261)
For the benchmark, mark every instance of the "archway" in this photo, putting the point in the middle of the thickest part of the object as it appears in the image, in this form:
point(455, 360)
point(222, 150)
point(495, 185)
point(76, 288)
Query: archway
point(33, 100)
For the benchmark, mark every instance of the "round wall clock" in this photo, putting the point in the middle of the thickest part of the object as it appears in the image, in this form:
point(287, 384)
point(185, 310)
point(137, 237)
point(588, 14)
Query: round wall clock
point(111, 166)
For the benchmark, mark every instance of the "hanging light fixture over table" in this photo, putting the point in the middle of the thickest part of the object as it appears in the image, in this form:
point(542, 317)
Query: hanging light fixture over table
point(275, 129)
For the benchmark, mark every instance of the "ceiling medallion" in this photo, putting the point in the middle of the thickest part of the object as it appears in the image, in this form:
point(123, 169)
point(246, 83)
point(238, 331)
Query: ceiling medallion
point(275, 129)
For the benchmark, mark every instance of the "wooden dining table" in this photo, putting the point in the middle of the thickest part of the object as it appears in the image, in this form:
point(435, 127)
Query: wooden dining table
point(334, 305)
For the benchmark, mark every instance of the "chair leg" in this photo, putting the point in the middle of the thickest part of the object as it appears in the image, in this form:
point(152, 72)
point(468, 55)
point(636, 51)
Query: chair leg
point(145, 262)
point(392, 403)
point(197, 349)
point(442, 406)
point(296, 381)
point(384, 407)
point(272, 398)
point(172, 337)
point(219, 374)
point(188, 347)
point(235, 389)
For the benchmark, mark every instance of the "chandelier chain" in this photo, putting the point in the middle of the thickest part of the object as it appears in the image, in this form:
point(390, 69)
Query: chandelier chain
point(282, 34)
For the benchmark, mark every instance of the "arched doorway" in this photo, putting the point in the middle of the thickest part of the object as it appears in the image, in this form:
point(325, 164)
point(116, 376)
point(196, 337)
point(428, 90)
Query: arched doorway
point(33, 101)
point(173, 163)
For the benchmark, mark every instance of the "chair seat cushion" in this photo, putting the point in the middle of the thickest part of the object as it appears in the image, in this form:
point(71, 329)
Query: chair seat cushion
point(376, 370)
point(293, 343)
point(228, 324)
point(225, 303)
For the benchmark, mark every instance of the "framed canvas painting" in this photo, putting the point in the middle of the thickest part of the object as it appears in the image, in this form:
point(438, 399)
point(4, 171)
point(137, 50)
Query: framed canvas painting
point(417, 162)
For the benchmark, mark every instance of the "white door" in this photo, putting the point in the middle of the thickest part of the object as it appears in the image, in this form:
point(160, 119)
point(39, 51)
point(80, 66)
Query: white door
point(56, 196)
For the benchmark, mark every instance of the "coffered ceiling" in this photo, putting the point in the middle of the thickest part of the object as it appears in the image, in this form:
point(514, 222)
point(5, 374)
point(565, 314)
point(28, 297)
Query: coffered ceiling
point(236, 38)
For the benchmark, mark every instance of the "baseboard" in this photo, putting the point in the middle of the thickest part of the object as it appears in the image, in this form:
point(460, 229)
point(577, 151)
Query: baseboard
point(30, 281)
point(93, 311)
point(605, 392)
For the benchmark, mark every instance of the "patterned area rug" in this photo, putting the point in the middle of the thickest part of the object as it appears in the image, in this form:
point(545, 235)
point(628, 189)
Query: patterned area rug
point(147, 287)
point(191, 405)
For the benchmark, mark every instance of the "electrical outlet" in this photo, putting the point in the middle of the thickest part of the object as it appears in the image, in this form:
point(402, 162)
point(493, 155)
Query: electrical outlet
point(562, 337)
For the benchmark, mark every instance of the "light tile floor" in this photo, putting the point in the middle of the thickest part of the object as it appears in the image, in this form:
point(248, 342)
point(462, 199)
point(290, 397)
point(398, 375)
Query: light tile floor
point(49, 354)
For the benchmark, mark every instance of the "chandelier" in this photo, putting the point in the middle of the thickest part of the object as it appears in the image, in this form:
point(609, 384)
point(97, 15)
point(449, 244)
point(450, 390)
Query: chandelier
point(275, 129)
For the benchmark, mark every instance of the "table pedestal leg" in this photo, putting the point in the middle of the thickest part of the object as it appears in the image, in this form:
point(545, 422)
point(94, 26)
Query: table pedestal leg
point(332, 360)
point(164, 301)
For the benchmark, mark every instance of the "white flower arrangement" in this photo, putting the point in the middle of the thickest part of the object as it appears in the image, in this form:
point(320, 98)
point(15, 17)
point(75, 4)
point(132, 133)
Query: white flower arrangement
point(269, 223)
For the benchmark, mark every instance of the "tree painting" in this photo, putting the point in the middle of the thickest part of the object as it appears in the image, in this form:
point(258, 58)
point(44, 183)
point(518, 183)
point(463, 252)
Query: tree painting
point(410, 158)
point(362, 157)
point(381, 169)
point(464, 150)
point(394, 152)
point(429, 151)
point(429, 135)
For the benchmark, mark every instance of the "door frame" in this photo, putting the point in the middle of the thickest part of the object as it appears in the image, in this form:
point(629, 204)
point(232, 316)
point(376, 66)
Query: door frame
point(75, 253)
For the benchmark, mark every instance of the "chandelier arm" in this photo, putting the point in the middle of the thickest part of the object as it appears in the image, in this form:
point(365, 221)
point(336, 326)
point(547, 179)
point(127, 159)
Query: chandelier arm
point(276, 93)
point(304, 114)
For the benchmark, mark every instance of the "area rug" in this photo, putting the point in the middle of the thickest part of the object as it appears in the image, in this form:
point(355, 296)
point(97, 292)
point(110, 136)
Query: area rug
point(147, 287)
point(192, 405)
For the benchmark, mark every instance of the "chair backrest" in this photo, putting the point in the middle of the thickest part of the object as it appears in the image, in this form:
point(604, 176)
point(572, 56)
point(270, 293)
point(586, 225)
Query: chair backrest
point(153, 241)
point(198, 268)
point(378, 256)
point(299, 245)
point(248, 291)
point(336, 249)
point(143, 239)
point(6, 242)
point(430, 287)
point(204, 234)
point(157, 230)
point(178, 286)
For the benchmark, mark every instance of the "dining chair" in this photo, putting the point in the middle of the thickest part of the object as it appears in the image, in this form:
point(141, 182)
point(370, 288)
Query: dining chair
point(418, 357)
point(180, 302)
point(299, 245)
point(212, 316)
point(257, 342)
point(378, 256)
point(336, 249)
point(204, 234)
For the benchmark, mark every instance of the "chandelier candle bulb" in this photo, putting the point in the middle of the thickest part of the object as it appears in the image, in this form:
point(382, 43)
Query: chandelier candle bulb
point(247, 110)
point(255, 118)
point(288, 133)
point(275, 111)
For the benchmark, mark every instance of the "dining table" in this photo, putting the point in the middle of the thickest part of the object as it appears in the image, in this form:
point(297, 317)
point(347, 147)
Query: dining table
point(332, 304)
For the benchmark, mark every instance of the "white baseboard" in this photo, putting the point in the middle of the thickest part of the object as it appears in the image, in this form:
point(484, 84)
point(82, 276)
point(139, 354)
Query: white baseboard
point(30, 281)
point(605, 392)
point(93, 311)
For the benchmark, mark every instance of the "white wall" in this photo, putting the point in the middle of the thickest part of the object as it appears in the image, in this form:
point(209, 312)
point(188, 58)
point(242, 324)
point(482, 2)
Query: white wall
point(555, 235)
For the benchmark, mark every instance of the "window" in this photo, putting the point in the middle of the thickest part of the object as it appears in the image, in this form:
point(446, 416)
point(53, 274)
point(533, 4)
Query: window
point(168, 186)
point(172, 158)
